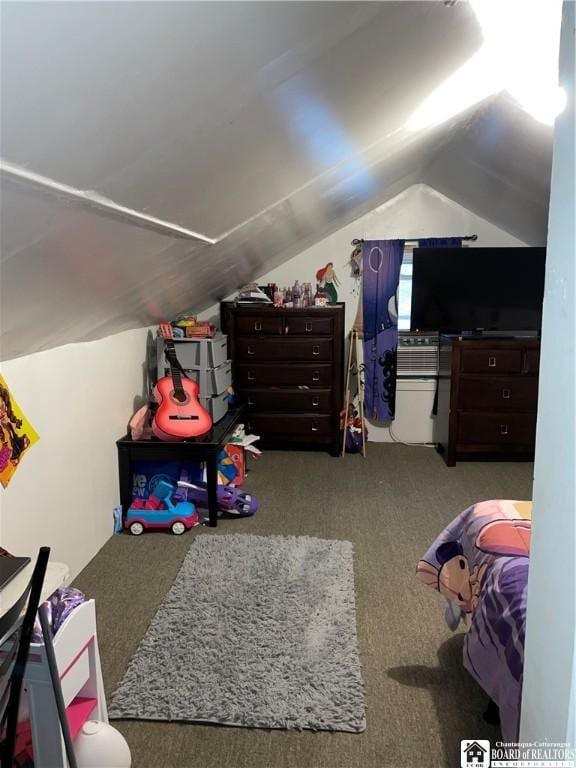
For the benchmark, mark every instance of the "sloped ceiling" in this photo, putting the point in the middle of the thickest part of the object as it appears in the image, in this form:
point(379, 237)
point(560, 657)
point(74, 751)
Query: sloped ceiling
point(498, 164)
point(262, 125)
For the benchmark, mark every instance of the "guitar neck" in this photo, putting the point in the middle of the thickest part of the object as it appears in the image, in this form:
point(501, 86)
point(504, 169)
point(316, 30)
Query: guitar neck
point(175, 369)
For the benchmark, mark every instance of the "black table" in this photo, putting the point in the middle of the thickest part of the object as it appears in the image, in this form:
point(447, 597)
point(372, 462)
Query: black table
point(205, 448)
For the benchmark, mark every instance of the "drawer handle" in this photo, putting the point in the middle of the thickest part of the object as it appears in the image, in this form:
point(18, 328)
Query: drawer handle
point(251, 402)
point(506, 394)
point(308, 325)
point(316, 376)
point(315, 401)
point(250, 376)
point(503, 429)
point(286, 329)
point(315, 349)
point(250, 350)
point(491, 362)
point(314, 428)
point(257, 325)
point(528, 367)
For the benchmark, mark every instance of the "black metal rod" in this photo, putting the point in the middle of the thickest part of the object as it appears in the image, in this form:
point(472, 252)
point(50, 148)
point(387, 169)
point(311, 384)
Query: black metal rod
point(358, 241)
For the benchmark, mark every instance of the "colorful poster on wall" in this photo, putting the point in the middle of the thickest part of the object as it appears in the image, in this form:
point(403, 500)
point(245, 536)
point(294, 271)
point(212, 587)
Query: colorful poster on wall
point(16, 434)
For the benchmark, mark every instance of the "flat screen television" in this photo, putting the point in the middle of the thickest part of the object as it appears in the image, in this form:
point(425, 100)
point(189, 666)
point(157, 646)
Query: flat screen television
point(458, 290)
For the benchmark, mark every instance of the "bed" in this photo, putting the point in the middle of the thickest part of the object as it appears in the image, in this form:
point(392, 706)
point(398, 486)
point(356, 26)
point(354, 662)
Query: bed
point(479, 563)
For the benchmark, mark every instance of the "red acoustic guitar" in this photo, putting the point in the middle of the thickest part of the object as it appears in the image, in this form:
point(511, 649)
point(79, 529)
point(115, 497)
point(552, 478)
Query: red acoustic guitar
point(179, 414)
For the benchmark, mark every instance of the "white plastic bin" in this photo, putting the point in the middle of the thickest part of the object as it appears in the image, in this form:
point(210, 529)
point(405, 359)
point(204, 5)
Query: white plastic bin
point(195, 354)
point(217, 406)
point(215, 381)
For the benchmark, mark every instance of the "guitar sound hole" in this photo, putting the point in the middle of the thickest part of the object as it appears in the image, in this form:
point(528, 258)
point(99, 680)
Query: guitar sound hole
point(179, 397)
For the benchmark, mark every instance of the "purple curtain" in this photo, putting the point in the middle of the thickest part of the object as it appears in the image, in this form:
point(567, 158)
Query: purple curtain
point(381, 262)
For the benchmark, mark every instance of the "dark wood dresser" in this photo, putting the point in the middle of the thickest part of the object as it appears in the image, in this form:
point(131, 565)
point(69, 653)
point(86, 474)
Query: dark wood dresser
point(487, 398)
point(287, 367)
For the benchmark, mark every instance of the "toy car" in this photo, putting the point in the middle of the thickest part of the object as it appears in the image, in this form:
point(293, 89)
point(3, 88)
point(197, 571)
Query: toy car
point(231, 501)
point(160, 512)
point(234, 502)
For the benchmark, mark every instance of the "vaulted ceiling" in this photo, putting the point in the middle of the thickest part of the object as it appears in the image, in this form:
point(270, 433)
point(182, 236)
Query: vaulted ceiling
point(263, 126)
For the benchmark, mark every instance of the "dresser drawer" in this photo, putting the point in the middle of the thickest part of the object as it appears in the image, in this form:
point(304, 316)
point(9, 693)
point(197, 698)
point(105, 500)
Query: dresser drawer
point(304, 427)
point(285, 374)
point(314, 325)
point(290, 400)
point(303, 350)
point(493, 361)
point(497, 430)
point(516, 393)
point(259, 325)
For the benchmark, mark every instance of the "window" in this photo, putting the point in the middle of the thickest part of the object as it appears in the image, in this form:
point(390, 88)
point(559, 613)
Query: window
point(405, 292)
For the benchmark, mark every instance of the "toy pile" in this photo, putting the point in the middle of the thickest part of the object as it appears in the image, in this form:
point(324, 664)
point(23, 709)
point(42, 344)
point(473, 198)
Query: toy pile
point(353, 425)
point(183, 505)
point(173, 495)
point(188, 327)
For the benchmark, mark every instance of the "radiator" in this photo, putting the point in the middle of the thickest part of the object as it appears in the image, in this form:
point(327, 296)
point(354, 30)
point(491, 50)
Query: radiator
point(417, 369)
point(417, 355)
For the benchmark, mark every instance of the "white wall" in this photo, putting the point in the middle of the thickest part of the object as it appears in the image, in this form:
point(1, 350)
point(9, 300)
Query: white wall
point(79, 399)
point(547, 713)
point(420, 211)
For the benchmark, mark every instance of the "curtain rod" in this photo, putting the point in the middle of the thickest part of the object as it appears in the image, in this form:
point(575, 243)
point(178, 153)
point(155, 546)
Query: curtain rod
point(413, 242)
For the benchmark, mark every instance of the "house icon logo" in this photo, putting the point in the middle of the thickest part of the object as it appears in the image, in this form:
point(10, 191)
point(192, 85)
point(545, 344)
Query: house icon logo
point(475, 754)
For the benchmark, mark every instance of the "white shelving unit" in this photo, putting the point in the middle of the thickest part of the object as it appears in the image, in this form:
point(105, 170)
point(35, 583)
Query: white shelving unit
point(78, 661)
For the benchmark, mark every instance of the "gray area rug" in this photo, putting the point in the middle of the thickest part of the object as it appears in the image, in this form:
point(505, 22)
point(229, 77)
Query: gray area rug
point(256, 631)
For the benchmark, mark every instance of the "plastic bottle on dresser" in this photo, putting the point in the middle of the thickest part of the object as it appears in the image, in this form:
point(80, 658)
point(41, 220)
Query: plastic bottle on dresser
point(296, 295)
point(278, 297)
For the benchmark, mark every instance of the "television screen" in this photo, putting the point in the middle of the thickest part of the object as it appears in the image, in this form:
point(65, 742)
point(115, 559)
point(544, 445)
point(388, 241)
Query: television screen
point(473, 289)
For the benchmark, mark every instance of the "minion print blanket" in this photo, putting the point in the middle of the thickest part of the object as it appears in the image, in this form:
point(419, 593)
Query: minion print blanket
point(480, 564)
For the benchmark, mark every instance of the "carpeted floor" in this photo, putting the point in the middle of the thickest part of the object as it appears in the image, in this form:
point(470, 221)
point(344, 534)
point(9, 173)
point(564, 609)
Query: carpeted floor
point(420, 701)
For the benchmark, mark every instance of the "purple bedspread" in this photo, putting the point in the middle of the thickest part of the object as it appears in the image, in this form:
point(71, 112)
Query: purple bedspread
point(58, 607)
point(480, 563)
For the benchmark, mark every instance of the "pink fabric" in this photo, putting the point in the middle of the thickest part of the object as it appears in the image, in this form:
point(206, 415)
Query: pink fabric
point(140, 427)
